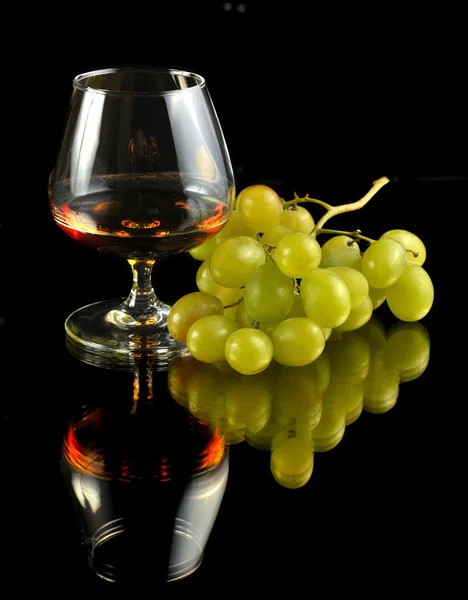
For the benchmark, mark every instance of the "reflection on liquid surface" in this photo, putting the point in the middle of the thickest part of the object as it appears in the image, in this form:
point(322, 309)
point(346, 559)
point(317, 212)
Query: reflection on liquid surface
point(294, 412)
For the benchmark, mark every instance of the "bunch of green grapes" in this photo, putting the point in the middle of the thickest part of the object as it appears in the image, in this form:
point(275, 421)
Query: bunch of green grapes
point(267, 290)
point(295, 412)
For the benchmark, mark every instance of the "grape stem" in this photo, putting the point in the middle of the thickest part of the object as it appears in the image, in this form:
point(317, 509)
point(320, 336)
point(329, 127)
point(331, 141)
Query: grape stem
point(236, 303)
point(355, 234)
point(342, 208)
point(293, 203)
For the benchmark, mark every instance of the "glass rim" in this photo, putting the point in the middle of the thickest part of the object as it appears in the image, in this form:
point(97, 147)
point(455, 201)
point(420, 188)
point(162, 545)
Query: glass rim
point(77, 81)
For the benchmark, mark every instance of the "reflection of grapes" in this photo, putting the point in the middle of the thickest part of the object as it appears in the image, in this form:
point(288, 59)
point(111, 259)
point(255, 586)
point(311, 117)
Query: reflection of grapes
point(294, 412)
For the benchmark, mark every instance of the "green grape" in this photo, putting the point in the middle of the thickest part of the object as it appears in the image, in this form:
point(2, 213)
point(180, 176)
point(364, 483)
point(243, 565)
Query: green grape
point(381, 386)
point(248, 403)
point(204, 251)
point(326, 298)
point(249, 351)
point(297, 399)
point(232, 438)
point(408, 349)
point(207, 337)
point(269, 294)
point(179, 373)
point(229, 295)
point(204, 279)
point(242, 316)
point(262, 440)
point(297, 309)
point(234, 227)
point(292, 463)
point(274, 236)
point(377, 296)
point(356, 283)
point(235, 260)
point(260, 207)
point(349, 358)
point(358, 316)
point(267, 328)
point(230, 312)
point(409, 241)
point(298, 255)
point(383, 262)
point(297, 217)
point(326, 332)
point(341, 251)
point(330, 429)
point(411, 297)
point(189, 309)
point(349, 396)
point(206, 390)
point(297, 342)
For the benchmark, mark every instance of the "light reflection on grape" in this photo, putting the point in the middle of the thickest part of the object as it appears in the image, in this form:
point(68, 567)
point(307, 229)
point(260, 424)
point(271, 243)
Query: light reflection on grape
point(294, 412)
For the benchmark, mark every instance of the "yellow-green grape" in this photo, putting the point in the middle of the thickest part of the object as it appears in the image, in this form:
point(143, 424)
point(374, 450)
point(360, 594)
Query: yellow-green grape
point(326, 298)
point(249, 351)
point(206, 390)
point(204, 279)
point(349, 358)
point(348, 395)
point(204, 251)
point(297, 399)
point(269, 294)
point(207, 337)
point(274, 236)
point(327, 332)
point(298, 217)
point(341, 251)
point(235, 260)
point(381, 386)
point(411, 242)
point(292, 463)
point(320, 371)
point(298, 255)
point(408, 349)
point(248, 403)
point(231, 438)
point(377, 296)
point(297, 309)
point(356, 283)
point(229, 295)
point(383, 262)
point(297, 342)
point(411, 297)
point(262, 440)
point(267, 328)
point(189, 309)
point(260, 207)
point(234, 228)
point(358, 316)
point(374, 333)
point(179, 373)
point(242, 316)
point(230, 312)
point(330, 429)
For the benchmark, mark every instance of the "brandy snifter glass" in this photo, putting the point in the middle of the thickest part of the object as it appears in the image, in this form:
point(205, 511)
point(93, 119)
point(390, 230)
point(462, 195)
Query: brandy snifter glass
point(143, 172)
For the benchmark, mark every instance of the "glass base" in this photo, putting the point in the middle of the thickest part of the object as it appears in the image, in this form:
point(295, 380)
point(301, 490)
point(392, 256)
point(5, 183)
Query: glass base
point(95, 336)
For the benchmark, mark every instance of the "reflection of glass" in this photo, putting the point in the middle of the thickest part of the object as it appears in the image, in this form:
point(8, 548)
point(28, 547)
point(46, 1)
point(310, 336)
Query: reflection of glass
point(147, 480)
point(296, 411)
point(143, 172)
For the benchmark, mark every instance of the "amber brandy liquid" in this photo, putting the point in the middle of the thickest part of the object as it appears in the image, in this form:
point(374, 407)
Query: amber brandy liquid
point(145, 216)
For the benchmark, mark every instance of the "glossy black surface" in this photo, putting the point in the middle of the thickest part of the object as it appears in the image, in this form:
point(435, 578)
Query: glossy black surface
point(382, 508)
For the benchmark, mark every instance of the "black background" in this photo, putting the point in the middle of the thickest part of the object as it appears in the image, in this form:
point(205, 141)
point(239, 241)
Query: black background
point(310, 100)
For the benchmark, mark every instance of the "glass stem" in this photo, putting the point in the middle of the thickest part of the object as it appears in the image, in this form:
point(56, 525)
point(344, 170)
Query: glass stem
point(142, 303)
